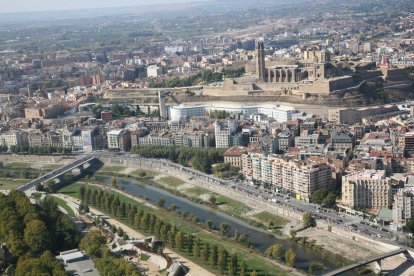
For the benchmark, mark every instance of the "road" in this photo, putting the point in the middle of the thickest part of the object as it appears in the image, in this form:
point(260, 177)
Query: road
point(345, 221)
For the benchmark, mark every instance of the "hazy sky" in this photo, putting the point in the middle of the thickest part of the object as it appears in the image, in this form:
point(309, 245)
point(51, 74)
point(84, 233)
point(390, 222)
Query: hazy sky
point(7, 6)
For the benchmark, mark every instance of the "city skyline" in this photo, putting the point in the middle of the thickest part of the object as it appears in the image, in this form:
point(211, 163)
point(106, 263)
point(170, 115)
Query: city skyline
point(24, 6)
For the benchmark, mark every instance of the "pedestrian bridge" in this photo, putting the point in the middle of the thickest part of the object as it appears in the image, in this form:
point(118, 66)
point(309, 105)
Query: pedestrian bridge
point(377, 260)
point(78, 163)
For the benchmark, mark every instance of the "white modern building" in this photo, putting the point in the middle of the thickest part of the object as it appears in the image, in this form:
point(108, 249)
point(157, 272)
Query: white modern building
point(278, 113)
point(154, 71)
point(183, 111)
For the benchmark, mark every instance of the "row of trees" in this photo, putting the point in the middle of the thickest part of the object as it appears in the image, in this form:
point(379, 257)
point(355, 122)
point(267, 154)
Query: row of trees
point(94, 244)
point(276, 252)
point(34, 233)
point(39, 150)
point(144, 221)
point(219, 114)
point(199, 158)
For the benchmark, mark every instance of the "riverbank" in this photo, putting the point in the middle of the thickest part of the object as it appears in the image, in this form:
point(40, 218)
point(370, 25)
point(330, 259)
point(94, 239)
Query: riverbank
point(200, 191)
point(262, 265)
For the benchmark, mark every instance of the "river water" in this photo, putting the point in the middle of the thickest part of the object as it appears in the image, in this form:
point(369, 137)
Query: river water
point(258, 238)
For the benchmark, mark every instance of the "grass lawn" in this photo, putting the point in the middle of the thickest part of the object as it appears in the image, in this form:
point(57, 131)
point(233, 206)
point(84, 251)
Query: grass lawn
point(62, 203)
point(111, 169)
point(267, 218)
point(197, 191)
point(8, 183)
point(143, 173)
point(51, 167)
point(232, 207)
point(144, 257)
point(170, 181)
point(17, 165)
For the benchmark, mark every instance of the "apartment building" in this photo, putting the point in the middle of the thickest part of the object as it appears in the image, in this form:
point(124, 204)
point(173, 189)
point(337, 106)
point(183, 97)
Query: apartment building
point(119, 139)
point(403, 206)
point(296, 177)
point(234, 156)
point(14, 138)
point(369, 189)
point(307, 141)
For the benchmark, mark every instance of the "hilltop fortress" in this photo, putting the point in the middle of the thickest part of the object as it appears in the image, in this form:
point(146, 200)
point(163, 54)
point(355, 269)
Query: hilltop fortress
point(315, 74)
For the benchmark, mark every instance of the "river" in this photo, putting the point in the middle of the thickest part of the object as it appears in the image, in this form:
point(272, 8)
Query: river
point(258, 238)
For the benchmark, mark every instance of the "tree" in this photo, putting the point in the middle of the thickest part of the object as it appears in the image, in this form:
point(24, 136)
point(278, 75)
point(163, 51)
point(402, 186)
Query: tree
point(36, 236)
point(275, 251)
point(46, 264)
point(113, 182)
point(290, 257)
point(24, 174)
point(92, 243)
point(179, 240)
point(253, 273)
point(161, 202)
point(190, 243)
point(205, 252)
point(208, 224)
point(212, 199)
point(410, 225)
point(222, 260)
point(82, 192)
point(51, 186)
point(197, 249)
point(308, 220)
point(214, 256)
point(224, 228)
point(233, 264)
point(242, 268)
point(324, 197)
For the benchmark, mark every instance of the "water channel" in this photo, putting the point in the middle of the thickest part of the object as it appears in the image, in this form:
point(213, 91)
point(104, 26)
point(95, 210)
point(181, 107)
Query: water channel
point(258, 238)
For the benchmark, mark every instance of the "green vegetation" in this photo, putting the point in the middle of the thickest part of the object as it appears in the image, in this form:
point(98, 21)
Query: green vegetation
point(51, 167)
point(271, 220)
point(162, 223)
point(118, 111)
point(34, 234)
point(144, 257)
point(324, 197)
point(63, 204)
point(199, 158)
point(146, 174)
point(308, 220)
point(197, 191)
point(170, 181)
point(232, 207)
point(94, 244)
point(225, 170)
point(204, 77)
point(8, 183)
point(17, 166)
point(111, 169)
point(410, 225)
point(219, 114)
